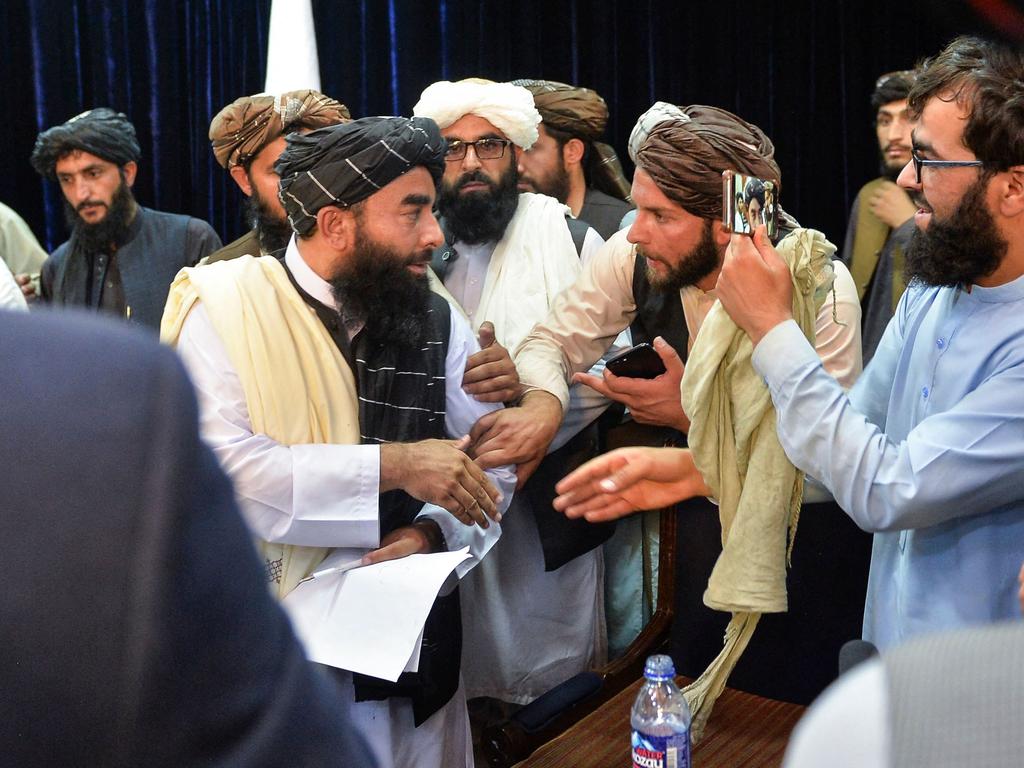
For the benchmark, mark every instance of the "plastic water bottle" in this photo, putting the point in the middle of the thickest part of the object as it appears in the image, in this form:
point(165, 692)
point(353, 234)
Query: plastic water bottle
point(660, 719)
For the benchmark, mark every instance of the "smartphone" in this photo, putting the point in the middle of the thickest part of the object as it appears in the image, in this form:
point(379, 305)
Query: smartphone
point(639, 362)
point(748, 202)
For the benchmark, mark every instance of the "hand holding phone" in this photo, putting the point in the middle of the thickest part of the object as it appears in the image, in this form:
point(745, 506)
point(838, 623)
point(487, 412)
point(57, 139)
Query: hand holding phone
point(639, 362)
point(747, 203)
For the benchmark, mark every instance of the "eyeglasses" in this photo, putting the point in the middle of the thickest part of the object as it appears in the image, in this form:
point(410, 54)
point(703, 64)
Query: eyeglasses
point(920, 162)
point(485, 149)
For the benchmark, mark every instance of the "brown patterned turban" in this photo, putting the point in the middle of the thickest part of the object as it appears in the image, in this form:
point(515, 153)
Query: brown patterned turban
point(685, 155)
point(101, 132)
point(247, 125)
point(344, 164)
point(582, 113)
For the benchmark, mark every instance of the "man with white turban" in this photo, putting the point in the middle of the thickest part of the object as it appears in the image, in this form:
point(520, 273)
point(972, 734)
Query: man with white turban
point(328, 382)
point(533, 610)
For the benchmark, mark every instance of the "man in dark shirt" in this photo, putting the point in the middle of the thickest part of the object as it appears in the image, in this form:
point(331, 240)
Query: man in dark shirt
point(568, 162)
point(881, 219)
point(121, 257)
point(248, 136)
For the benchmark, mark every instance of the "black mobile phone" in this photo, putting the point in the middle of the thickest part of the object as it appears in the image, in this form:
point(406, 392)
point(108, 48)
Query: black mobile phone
point(639, 362)
point(748, 202)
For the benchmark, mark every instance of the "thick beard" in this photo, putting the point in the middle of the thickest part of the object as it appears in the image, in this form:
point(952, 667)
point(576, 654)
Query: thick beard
point(959, 249)
point(112, 231)
point(273, 233)
point(555, 184)
point(376, 289)
point(480, 217)
point(701, 261)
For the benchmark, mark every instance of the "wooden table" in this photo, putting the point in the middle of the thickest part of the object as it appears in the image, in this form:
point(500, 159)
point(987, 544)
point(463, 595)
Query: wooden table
point(744, 730)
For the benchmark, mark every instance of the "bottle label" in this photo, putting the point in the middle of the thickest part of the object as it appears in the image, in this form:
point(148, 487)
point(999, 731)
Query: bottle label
point(661, 751)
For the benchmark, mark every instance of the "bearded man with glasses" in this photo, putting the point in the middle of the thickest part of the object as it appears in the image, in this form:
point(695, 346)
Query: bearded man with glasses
point(927, 450)
point(534, 617)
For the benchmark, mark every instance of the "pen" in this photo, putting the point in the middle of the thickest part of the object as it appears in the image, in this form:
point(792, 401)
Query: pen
point(330, 571)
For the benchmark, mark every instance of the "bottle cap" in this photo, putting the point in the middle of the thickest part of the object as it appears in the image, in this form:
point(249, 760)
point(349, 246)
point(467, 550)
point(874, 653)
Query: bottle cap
point(659, 667)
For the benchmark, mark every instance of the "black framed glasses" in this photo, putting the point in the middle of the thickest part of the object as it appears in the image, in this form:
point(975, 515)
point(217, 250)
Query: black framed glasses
point(920, 162)
point(485, 149)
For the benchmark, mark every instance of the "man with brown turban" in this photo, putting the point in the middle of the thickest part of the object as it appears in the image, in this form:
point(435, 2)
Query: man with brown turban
point(121, 257)
point(248, 136)
point(569, 162)
point(328, 381)
point(658, 279)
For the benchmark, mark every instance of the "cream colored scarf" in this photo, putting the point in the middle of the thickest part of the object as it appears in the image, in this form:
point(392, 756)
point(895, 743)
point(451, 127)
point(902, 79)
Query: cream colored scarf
point(298, 387)
point(735, 447)
point(531, 265)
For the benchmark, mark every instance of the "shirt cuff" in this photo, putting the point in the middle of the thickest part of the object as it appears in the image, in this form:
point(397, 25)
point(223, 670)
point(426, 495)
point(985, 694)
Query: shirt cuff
point(458, 535)
point(781, 353)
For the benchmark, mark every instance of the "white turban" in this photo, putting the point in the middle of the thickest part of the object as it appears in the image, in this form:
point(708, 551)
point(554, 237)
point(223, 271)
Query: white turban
point(659, 113)
point(507, 107)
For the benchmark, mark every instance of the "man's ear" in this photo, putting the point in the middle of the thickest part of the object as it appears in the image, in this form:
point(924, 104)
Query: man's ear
point(721, 235)
point(573, 151)
point(337, 226)
point(130, 169)
point(241, 179)
point(1011, 192)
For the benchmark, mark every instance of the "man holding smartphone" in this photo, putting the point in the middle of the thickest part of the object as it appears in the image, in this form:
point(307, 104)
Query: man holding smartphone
point(927, 450)
point(657, 278)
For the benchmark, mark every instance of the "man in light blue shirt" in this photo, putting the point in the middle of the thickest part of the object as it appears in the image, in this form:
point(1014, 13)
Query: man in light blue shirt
point(927, 451)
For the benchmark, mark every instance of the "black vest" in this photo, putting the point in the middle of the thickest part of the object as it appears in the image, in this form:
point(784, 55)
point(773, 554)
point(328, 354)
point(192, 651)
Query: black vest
point(658, 313)
point(402, 399)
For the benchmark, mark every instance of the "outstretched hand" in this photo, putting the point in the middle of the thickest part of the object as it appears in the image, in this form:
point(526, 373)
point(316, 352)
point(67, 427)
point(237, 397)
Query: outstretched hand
point(755, 285)
point(627, 480)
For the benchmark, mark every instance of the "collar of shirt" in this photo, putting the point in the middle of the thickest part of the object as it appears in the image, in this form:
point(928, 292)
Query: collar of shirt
point(312, 283)
point(1011, 291)
point(307, 279)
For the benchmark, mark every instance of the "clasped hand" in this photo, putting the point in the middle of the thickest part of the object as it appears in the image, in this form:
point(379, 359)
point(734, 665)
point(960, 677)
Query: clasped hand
point(441, 472)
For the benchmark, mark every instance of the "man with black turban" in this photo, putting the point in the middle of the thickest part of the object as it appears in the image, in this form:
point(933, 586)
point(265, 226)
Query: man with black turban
point(121, 257)
point(329, 382)
point(248, 136)
point(568, 161)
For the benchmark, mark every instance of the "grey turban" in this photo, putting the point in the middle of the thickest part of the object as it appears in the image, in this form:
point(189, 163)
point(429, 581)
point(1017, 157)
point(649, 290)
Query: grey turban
point(101, 132)
point(345, 164)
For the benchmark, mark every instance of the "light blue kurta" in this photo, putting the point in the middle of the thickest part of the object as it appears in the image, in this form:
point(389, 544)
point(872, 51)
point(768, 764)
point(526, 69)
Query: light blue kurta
point(927, 452)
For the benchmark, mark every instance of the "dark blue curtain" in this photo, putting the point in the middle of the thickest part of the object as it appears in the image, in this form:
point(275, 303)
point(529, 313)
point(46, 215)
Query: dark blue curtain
point(802, 70)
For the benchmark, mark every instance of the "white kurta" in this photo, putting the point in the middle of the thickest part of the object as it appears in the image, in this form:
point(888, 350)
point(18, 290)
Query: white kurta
point(526, 630)
point(327, 495)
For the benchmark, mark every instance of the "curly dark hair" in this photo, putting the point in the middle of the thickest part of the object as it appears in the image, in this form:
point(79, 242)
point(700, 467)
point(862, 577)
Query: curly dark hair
point(988, 79)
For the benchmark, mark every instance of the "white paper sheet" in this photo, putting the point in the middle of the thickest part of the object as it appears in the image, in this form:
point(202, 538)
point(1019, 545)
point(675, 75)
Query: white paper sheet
point(370, 619)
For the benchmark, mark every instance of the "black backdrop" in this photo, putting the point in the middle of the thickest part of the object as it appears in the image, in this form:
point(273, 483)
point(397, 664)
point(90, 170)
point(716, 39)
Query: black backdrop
point(800, 69)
